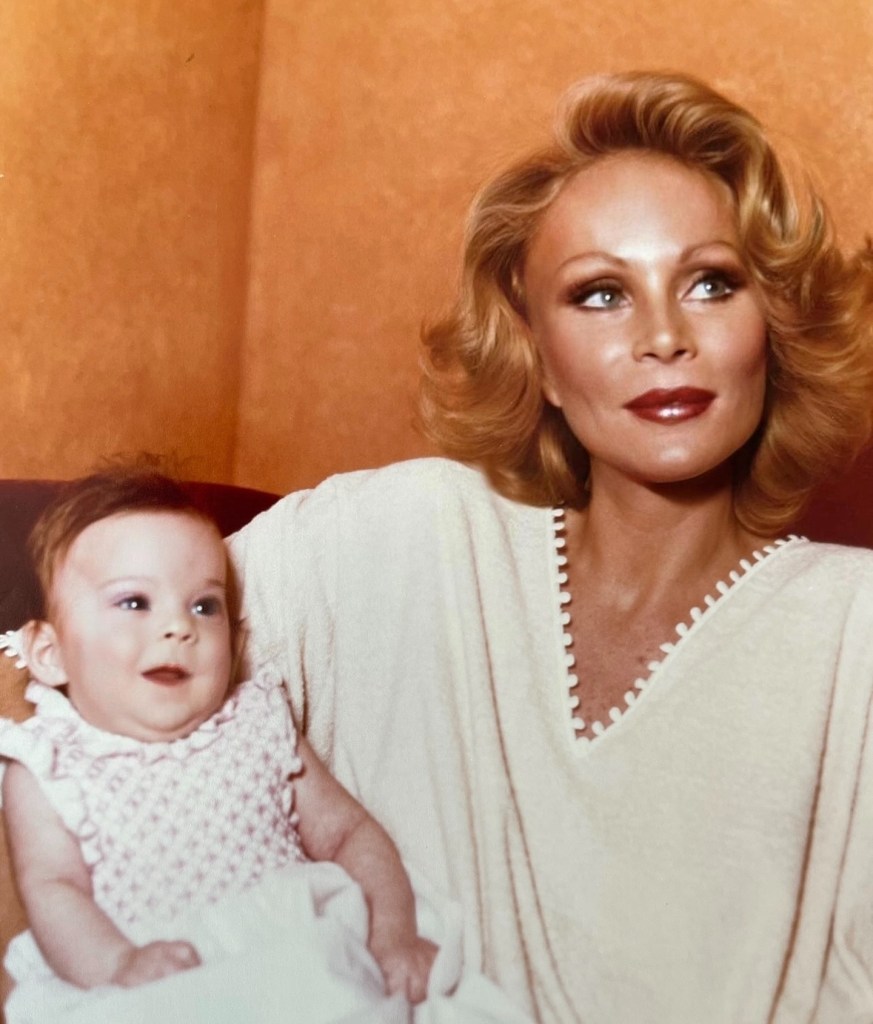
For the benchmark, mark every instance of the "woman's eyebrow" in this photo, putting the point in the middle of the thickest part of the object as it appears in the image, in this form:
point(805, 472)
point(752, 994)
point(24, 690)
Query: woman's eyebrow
point(594, 254)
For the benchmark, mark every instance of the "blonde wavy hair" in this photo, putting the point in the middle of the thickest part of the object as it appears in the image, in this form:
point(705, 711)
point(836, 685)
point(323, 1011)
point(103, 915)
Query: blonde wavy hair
point(481, 392)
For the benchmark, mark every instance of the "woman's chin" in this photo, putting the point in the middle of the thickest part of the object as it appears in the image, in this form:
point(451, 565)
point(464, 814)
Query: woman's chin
point(679, 475)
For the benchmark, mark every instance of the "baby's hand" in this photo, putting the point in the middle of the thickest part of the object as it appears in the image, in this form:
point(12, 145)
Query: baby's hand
point(154, 961)
point(406, 968)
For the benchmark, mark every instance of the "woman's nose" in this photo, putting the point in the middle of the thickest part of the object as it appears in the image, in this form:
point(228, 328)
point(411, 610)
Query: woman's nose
point(664, 333)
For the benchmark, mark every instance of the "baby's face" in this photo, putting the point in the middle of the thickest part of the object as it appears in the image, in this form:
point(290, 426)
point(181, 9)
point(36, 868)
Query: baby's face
point(139, 610)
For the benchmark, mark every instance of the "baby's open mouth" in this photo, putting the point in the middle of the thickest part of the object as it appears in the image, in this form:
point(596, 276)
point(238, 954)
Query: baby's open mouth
point(167, 674)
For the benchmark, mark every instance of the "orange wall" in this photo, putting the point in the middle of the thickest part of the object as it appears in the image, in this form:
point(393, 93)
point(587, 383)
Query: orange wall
point(125, 148)
point(378, 120)
point(154, 295)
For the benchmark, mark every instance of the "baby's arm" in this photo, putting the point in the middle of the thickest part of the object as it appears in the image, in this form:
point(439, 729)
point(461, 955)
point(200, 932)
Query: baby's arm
point(78, 940)
point(334, 826)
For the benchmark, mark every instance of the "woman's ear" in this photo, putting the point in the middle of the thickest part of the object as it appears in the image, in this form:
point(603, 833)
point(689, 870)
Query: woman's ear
point(549, 392)
point(547, 386)
point(548, 389)
point(43, 654)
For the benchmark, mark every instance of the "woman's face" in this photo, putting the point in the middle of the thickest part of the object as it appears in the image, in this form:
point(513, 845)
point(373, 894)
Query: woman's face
point(652, 340)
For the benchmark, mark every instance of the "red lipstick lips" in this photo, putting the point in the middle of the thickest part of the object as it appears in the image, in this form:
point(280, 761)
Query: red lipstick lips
point(168, 675)
point(670, 405)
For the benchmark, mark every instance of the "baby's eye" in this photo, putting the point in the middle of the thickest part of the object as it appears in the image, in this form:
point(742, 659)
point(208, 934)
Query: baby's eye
point(133, 603)
point(714, 284)
point(208, 606)
point(600, 295)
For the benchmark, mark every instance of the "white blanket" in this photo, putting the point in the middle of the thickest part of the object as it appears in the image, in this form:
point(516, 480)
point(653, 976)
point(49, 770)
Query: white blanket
point(290, 951)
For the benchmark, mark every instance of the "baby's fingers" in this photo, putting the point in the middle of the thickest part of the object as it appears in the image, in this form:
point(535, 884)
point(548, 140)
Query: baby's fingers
point(408, 970)
point(182, 953)
point(154, 961)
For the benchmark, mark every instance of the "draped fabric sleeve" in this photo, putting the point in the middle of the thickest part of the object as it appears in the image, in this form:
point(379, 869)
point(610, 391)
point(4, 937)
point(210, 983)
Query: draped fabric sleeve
point(284, 562)
point(830, 965)
point(846, 993)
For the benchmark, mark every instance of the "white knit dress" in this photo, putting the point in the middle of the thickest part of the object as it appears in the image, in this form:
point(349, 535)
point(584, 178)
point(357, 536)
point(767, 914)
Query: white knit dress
point(708, 858)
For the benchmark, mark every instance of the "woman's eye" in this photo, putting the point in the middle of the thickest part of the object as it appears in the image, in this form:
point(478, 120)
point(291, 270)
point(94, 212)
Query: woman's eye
point(208, 606)
point(133, 603)
point(598, 296)
point(713, 286)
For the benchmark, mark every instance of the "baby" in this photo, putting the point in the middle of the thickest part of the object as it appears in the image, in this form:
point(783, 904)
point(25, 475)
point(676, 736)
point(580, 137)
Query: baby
point(145, 788)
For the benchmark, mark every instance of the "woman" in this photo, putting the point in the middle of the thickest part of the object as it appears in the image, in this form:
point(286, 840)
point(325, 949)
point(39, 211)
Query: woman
point(644, 821)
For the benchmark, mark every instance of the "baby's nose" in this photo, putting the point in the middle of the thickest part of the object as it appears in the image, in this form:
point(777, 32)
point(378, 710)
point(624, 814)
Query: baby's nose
point(179, 628)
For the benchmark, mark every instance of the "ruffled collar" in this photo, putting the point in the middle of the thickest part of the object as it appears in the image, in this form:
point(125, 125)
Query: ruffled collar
point(52, 705)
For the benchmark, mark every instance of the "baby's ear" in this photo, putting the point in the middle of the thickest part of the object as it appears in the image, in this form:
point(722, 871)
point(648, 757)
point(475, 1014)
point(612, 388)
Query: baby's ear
point(238, 636)
point(42, 653)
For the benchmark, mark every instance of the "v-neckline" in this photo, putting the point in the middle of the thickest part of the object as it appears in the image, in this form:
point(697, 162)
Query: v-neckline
point(696, 618)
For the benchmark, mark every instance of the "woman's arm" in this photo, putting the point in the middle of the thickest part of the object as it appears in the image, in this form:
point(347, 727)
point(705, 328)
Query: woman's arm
point(78, 941)
point(334, 826)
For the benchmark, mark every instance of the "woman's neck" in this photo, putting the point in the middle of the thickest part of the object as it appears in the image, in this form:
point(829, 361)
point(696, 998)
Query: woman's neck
point(650, 539)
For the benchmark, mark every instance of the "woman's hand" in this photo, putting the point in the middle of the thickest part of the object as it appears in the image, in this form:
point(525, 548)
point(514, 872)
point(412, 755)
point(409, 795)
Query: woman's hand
point(156, 960)
point(406, 968)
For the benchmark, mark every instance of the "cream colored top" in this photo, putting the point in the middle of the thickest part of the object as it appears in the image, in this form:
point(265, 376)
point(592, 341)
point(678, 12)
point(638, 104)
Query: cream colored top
point(708, 859)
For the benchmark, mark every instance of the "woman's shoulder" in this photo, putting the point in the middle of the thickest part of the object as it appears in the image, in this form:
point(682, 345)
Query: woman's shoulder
point(415, 482)
point(398, 490)
point(830, 566)
point(411, 478)
point(844, 556)
point(419, 508)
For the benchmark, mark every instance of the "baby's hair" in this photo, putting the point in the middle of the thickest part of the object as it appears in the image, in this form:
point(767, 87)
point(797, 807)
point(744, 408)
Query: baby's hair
point(118, 489)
